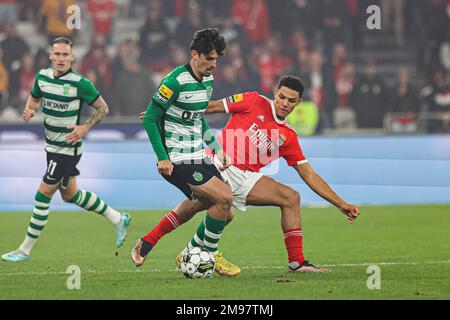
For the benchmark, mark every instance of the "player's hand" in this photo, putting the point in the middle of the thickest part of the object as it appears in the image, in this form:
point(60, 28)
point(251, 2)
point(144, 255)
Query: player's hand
point(77, 133)
point(28, 114)
point(224, 159)
point(350, 210)
point(141, 115)
point(165, 167)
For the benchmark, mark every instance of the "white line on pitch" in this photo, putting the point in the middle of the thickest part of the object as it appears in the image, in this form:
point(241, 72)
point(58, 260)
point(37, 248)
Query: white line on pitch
point(44, 273)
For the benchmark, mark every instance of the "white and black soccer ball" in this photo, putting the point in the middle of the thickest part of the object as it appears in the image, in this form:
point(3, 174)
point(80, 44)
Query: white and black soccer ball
point(197, 263)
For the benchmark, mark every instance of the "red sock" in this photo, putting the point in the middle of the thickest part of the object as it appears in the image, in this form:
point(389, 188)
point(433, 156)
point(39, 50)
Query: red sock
point(293, 240)
point(166, 225)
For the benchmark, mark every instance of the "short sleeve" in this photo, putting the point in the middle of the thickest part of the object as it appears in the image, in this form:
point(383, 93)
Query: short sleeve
point(292, 152)
point(36, 91)
point(87, 92)
point(166, 93)
point(241, 102)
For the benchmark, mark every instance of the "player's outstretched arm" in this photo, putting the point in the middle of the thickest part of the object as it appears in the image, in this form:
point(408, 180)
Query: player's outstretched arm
point(216, 106)
point(31, 107)
point(319, 186)
point(78, 132)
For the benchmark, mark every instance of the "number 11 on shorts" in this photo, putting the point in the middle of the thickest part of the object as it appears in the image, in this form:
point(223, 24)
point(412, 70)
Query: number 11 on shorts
point(51, 167)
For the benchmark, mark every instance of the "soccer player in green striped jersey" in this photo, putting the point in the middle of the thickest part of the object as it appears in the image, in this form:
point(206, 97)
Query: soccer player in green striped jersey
point(61, 91)
point(177, 129)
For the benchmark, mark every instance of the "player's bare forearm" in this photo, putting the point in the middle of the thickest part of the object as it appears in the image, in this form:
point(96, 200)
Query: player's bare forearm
point(33, 103)
point(101, 110)
point(318, 185)
point(215, 106)
point(31, 107)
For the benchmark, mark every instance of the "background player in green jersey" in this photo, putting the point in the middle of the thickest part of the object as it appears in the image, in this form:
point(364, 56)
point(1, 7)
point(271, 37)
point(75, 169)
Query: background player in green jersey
point(61, 93)
point(176, 127)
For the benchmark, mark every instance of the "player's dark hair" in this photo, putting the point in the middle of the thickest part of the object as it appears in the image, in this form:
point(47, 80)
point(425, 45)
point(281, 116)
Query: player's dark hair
point(207, 40)
point(292, 82)
point(62, 40)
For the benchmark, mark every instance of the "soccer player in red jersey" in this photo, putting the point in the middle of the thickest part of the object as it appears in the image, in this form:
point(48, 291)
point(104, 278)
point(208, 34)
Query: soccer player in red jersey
point(255, 135)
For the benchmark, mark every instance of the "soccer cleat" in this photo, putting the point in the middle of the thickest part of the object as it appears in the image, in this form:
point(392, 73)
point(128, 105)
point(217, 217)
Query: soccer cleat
point(121, 229)
point(140, 251)
point(305, 266)
point(179, 257)
point(15, 256)
point(225, 267)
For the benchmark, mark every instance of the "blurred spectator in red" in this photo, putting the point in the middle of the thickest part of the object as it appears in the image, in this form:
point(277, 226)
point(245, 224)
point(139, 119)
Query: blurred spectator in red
point(14, 47)
point(8, 13)
point(320, 89)
point(370, 98)
point(102, 13)
point(154, 38)
point(98, 59)
point(405, 102)
point(4, 82)
point(271, 63)
point(338, 59)
point(254, 18)
point(53, 18)
point(436, 97)
point(22, 82)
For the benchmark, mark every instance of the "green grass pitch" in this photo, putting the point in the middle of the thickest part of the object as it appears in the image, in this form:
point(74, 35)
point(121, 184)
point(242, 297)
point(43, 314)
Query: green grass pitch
point(410, 244)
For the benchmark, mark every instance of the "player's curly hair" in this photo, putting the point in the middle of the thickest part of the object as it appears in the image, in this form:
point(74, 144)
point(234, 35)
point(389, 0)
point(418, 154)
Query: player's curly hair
point(206, 40)
point(292, 82)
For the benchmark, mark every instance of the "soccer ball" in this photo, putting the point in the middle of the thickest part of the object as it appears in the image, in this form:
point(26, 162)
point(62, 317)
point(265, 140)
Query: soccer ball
point(197, 263)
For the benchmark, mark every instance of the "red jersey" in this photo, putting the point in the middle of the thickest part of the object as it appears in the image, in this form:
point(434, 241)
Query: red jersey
point(254, 136)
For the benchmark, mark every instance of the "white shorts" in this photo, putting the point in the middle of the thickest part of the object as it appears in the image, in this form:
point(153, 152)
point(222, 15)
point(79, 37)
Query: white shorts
point(240, 181)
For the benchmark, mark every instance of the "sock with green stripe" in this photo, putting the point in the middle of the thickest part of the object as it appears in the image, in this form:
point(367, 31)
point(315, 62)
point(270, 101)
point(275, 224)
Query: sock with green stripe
point(197, 240)
point(38, 221)
point(91, 202)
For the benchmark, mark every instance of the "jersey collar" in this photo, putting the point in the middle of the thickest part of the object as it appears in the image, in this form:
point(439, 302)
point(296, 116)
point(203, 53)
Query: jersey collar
point(274, 114)
point(62, 75)
point(188, 66)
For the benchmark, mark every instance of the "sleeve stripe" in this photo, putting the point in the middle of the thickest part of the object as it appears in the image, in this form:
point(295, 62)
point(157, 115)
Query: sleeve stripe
point(302, 161)
point(225, 105)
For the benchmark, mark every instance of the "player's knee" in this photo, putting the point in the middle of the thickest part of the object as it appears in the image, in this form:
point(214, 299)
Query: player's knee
point(226, 200)
point(292, 198)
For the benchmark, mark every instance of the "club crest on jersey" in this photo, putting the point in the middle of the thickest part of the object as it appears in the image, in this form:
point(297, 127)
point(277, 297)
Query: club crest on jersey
point(164, 93)
point(66, 89)
point(209, 92)
point(197, 176)
point(235, 98)
point(282, 139)
point(261, 118)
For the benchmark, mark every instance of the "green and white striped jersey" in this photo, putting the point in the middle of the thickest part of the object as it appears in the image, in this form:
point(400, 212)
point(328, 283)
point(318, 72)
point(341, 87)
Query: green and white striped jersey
point(184, 99)
point(62, 98)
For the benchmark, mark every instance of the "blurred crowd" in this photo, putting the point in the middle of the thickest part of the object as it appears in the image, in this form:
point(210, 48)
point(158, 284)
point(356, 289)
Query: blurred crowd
point(314, 39)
